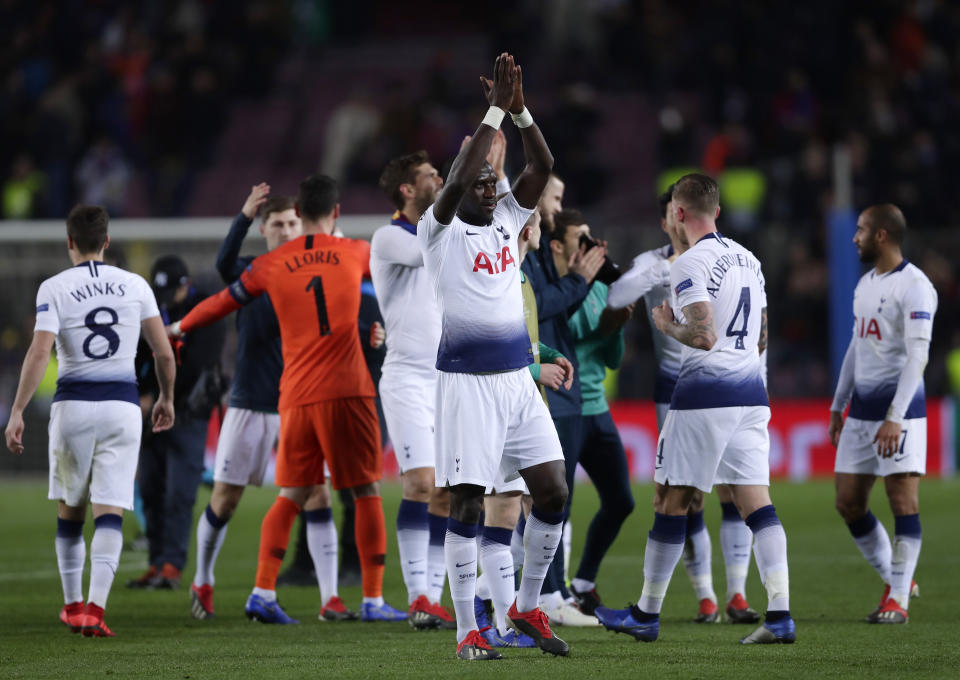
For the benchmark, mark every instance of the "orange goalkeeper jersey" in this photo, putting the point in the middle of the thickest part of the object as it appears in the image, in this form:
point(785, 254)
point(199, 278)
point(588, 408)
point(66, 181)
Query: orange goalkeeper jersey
point(314, 285)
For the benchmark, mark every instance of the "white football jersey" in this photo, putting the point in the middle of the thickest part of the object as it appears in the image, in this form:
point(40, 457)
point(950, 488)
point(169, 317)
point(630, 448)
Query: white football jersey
point(649, 278)
point(722, 272)
point(888, 309)
point(95, 310)
point(407, 301)
point(475, 274)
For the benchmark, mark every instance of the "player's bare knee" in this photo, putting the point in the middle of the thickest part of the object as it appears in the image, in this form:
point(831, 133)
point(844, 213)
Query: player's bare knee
point(850, 508)
point(418, 484)
point(696, 502)
point(465, 506)
point(372, 489)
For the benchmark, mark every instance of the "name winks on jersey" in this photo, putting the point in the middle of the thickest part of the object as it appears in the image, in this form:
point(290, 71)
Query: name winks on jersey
point(104, 288)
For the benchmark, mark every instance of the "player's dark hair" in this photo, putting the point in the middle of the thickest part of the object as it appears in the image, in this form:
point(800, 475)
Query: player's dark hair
point(697, 193)
point(664, 200)
point(890, 218)
point(276, 204)
point(568, 217)
point(402, 170)
point(318, 196)
point(87, 226)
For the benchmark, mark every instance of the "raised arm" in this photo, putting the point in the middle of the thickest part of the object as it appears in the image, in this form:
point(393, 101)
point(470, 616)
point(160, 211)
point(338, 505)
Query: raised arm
point(34, 366)
point(646, 272)
point(467, 164)
point(699, 332)
point(531, 182)
point(228, 263)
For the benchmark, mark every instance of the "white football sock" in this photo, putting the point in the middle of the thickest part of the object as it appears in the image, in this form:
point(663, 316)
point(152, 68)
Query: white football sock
point(906, 551)
point(735, 542)
point(874, 543)
point(323, 547)
point(497, 564)
point(413, 539)
point(660, 557)
point(211, 531)
point(268, 595)
point(516, 545)
point(770, 551)
point(71, 555)
point(582, 585)
point(460, 550)
point(697, 558)
point(540, 540)
point(104, 557)
point(436, 563)
point(567, 543)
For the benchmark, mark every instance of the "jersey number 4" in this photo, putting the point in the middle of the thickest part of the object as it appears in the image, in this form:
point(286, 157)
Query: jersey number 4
point(316, 285)
point(743, 305)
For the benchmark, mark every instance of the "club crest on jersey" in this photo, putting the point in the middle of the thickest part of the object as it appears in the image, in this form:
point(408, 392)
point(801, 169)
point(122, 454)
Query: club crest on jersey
point(504, 233)
point(496, 264)
point(867, 328)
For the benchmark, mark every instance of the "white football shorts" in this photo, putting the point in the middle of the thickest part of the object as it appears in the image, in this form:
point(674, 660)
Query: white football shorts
point(246, 441)
point(857, 454)
point(703, 447)
point(408, 408)
point(94, 448)
point(491, 426)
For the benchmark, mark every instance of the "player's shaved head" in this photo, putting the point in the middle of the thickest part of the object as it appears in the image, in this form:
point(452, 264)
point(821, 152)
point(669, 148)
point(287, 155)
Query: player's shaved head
point(276, 204)
point(889, 218)
point(87, 227)
point(399, 171)
point(318, 197)
point(697, 193)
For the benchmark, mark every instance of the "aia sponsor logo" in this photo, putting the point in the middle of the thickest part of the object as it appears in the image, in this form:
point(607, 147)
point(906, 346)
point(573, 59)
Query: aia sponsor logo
point(496, 263)
point(866, 327)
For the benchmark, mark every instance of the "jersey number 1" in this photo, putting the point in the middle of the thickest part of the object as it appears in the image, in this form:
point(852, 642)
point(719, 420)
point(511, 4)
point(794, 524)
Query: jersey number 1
point(316, 284)
point(744, 304)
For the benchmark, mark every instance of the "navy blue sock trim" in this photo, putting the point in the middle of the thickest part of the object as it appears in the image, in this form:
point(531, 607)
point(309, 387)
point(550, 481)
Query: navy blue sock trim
point(695, 523)
point(69, 528)
point(907, 525)
point(730, 512)
point(495, 535)
point(109, 521)
point(777, 615)
point(548, 517)
point(669, 528)
point(412, 515)
point(461, 529)
point(318, 516)
point(863, 526)
point(438, 528)
point(762, 518)
point(212, 518)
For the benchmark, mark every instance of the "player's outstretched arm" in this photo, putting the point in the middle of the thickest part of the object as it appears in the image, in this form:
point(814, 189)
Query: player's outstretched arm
point(644, 274)
point(467, 164)
point(533, 179)
point(700, 331)
point(34, 366)
point(166, 368)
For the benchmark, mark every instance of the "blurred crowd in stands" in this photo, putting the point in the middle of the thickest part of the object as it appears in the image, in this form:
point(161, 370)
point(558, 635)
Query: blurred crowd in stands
point(134, 106)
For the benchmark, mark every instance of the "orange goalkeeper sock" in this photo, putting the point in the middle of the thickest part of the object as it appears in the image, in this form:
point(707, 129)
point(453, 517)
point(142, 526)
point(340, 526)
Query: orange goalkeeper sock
point(274, 537)
point(371, 535)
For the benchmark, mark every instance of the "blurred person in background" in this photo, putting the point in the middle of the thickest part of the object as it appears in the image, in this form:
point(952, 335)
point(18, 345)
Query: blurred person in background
point(171, 462)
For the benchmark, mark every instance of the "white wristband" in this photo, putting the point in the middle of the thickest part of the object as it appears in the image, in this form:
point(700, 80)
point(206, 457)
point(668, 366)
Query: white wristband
point(522, 119)
point(494, 117)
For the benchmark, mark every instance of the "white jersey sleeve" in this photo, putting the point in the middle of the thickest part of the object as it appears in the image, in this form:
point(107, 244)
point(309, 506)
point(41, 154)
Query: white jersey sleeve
point(647, 271)
point(148, 301)
point(689, 283)
point(391, 245)
point(48, 316)
point(918, 308)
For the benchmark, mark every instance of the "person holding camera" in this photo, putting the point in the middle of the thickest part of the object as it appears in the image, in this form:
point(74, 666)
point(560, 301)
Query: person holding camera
point(171, 462)
point(558, 295)
point(597, 332)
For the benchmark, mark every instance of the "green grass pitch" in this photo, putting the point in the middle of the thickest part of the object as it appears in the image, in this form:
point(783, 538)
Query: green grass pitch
point(832, 588)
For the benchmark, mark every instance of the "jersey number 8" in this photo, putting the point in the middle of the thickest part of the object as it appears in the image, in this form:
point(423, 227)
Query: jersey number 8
point(102, 330)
